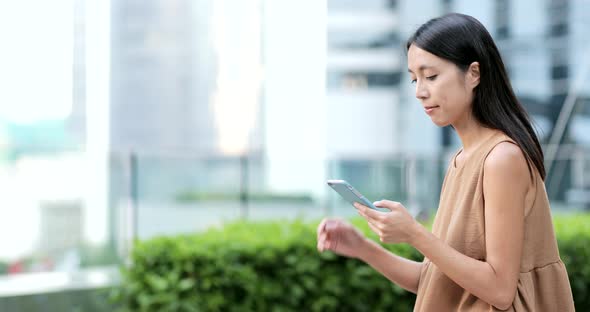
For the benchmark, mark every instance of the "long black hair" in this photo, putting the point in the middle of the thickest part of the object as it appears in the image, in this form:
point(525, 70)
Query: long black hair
point(462, 40)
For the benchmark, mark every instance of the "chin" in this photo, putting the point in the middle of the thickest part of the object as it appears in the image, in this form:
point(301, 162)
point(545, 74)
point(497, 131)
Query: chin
point(441, 123)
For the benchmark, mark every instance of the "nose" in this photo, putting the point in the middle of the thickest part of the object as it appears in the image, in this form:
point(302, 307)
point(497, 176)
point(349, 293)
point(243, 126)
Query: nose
point(421, 92)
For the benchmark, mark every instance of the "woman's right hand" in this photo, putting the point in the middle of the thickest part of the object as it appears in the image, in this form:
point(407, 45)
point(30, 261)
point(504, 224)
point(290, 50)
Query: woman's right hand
point(340, 237)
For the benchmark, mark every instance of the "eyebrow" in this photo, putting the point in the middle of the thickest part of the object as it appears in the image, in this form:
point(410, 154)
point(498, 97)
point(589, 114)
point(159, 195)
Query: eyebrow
point(421, 68)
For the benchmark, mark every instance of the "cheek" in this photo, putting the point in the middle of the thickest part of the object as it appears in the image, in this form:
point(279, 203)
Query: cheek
point(454, 98)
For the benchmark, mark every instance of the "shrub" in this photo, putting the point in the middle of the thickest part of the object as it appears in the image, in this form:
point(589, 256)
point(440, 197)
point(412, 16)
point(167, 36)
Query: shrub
point(573, 238)
point(274, 266)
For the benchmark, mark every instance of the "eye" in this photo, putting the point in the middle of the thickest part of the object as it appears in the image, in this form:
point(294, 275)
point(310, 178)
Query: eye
point(413, 81)
point(431, 78)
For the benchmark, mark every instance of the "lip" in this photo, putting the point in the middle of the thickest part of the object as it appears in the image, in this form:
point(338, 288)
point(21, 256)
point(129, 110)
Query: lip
point(430, 109)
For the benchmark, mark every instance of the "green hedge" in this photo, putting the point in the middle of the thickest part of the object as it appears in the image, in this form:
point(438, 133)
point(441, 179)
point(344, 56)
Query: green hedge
point(573, 237)
point(275, 266)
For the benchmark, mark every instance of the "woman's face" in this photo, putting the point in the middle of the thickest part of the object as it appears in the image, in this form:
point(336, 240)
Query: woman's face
point(446, 92)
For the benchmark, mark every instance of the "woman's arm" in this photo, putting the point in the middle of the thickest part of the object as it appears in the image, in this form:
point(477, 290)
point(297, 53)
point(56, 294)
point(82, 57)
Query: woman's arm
point(342, 238)
point(494, 280)
point(401, 271)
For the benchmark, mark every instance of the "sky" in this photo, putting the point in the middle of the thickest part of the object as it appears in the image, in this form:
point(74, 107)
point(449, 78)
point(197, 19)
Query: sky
point(36, 61)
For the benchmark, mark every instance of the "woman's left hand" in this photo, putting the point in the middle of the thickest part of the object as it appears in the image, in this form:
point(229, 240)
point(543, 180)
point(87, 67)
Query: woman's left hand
point(394, 226)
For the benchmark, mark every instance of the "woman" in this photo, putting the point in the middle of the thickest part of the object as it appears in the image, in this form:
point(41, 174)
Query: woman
point(492, 245)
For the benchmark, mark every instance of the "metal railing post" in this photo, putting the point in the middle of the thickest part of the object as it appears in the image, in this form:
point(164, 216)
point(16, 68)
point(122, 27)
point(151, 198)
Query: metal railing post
point(244, 187)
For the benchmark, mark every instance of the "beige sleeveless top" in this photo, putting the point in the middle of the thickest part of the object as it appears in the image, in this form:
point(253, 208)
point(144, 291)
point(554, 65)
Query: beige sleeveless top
point(543, 284)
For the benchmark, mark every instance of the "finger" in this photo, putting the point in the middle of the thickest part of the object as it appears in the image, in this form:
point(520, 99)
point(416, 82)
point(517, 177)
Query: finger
point(331, 225)
point(370, 213)
point(369, 220)
point(323, 238)
point(330, 244)
point(326, 239)
point(322, 242)
point(322, 226)
point(360, 212)
point(359, 206)
point(374, 228)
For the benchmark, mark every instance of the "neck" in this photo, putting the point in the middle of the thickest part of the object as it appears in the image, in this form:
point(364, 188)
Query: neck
point(471, 132)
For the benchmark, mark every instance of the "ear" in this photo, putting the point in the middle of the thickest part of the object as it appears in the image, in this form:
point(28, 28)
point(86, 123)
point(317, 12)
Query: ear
point(473, 75)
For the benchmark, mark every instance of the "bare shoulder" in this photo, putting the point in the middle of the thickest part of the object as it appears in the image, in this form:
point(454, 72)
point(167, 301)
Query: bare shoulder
point(507, 160)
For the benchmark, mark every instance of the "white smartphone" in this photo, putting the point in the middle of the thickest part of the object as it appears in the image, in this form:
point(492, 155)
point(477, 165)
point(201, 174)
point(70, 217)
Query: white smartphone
point(350, 194)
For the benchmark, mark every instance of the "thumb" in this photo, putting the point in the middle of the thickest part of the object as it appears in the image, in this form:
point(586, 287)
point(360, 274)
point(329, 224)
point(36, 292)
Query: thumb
point(387, 204)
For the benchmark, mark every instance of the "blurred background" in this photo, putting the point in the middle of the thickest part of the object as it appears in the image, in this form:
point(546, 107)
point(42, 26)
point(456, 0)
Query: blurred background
point(127, 119)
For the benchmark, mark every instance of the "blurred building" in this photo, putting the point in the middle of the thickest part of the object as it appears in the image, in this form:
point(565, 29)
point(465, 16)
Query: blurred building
point(61, 226)
point(371, 104)
point(176, 69)
point(547, 53)
point(372, 114)
point(180, 86)
point(221, 78)
point(364, 70)
point(154, 82)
